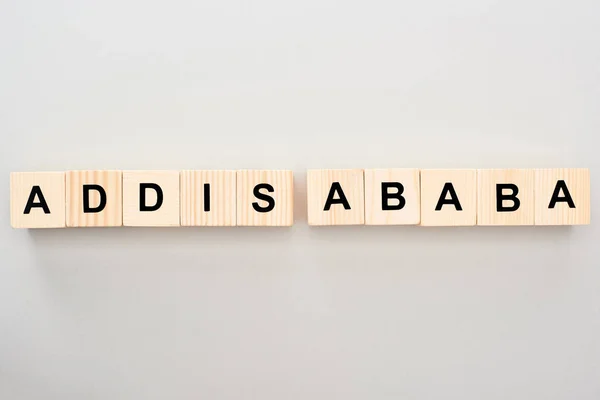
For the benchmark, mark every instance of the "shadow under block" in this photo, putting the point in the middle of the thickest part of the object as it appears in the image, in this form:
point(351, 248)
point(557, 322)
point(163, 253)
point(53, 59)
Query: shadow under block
point(218, 187)
point(392, 197)
point(150, 198)
point(37, 199)
point(448, 197)
point(94, 198)
point(562, 196)
point(505, 196)
point(336, 197)
point(265, 198)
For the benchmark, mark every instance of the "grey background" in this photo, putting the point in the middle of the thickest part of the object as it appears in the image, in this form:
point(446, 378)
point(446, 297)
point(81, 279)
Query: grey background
point(346, 312)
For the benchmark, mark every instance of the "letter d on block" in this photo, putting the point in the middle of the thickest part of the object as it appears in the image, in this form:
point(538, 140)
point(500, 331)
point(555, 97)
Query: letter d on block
point(94, 198)
point(505, 197)
point(151, 198)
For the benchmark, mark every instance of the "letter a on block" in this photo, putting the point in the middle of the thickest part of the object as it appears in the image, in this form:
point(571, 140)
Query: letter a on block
point(336, 197)
point(37, 199)
point(505, 197)
point(562, 196)
point(448, 197)
point(94, 198)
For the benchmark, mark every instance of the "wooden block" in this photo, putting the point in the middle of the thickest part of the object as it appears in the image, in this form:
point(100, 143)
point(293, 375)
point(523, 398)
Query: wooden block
point(448, 197)
point(37, 199)
point(392, 197)
point(151, 198)
point(218, 187)
point(562, 196)
point(336, 197)
point(496, 202)
point(265, 198)
point(94, 198)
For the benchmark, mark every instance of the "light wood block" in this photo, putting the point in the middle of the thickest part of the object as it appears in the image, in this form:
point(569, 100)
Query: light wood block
point(265, 198)
point(37, 199)
point(488, 212)
point(571, 187)
point(346, 187)
point(448, 197)
point(218, 187)
point(82, 213)
point(151, 198)
point(392, 197)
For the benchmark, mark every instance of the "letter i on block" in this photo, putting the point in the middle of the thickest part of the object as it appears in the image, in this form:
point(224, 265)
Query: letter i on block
point(392, 197)
point(208, 198)
point(94, 198)
point(37, 199)
point(448, 197)
point(562, 196)
point(265, 198)
point(505, 197)
point(336, 197)
point(150, 198)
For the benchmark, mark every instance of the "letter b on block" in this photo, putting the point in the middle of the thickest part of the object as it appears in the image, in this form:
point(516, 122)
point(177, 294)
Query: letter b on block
point(505, 197)
point(336, 197)
point(392, 197)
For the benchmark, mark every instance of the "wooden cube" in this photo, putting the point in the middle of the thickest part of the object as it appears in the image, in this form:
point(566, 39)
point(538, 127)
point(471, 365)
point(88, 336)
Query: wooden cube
point(562, 196)
point(505, 196)
point(150, 198)
point(448, 197)
point(37, 199)
point(208, 198)
point(94, 198)
point(265, 198)
point(336, 197)
point(392, 197)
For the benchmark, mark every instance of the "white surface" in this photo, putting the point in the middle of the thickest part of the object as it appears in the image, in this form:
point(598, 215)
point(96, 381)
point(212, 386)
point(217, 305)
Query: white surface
point(349, 312)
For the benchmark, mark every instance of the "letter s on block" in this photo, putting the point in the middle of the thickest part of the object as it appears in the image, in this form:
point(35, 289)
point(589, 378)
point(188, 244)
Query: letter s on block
point(265, 197)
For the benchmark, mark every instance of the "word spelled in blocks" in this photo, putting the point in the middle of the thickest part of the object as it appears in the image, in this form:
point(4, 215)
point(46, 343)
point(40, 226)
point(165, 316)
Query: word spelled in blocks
point(94, 198)
point(448, 197)
point(461, 197)
point(336, 197)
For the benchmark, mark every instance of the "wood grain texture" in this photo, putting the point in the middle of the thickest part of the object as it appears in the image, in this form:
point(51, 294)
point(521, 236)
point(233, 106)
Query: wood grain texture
point(222, 198)
point(282, 182)
point(577, 181)
point(319, 183)
point(167, 214)
point(52, 188)
point(464, 182)
point(487, 213)
point(111, 182)
point(409, 214)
